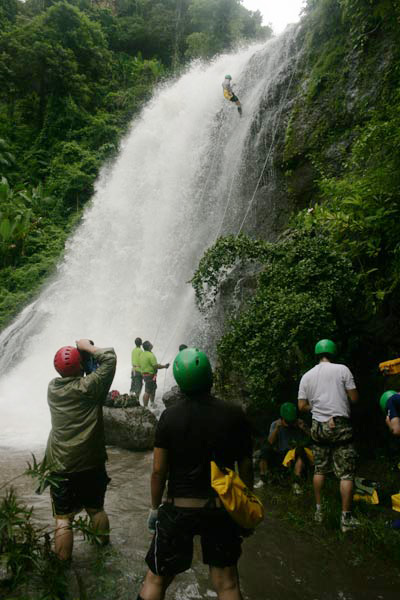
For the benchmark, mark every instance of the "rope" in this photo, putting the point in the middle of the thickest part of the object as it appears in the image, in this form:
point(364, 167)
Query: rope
point(211, 165)
point(282, 104)
point(227, 204)
point(271, 145)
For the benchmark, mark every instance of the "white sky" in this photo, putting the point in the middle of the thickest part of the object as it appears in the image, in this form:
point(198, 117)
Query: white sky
point(277, 12)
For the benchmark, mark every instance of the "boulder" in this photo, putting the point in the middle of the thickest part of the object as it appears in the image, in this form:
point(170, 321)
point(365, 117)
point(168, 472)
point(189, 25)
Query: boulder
point(130, 428)
point(173, 396)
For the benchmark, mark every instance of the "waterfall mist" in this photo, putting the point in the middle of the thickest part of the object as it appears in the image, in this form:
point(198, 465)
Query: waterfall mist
point(163, 201)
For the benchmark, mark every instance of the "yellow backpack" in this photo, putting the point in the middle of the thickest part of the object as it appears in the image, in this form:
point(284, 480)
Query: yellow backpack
point(242, 505)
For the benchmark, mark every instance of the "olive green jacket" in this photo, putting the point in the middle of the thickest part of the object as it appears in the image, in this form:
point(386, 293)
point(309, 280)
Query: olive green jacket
point(76, 441)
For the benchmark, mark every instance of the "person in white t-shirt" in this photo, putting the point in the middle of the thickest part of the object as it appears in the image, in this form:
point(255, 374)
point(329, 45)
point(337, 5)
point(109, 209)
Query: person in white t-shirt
point(327, 390)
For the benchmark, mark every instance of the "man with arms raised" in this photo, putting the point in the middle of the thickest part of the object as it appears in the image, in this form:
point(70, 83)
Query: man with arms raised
point(327, 391)
point(76, 446)
point(188, 435)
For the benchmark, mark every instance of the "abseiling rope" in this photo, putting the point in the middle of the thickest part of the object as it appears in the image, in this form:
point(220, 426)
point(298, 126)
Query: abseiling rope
point(277, 122)
point(271, 145)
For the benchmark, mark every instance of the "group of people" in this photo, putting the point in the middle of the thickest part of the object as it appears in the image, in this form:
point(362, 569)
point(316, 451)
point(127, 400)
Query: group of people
point(189, 434)
point(144, 369)
point(327, 392)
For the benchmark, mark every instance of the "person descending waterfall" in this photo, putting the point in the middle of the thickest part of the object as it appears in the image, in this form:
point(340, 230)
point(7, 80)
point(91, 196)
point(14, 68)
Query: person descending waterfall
point(390, 405)
point(327, 391)
point(229, 94)
point(149, 367)
point(187, 434)
point(136, 374)
point(76, 452)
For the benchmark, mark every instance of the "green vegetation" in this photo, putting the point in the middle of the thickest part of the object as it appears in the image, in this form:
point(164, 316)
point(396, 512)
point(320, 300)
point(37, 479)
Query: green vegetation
point(335, 272)
point(367, 545)
point(25, 549)
point(72, 75)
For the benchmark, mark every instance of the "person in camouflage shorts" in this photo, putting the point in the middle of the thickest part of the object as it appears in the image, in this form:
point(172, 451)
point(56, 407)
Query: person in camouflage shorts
point(334, 448)
point(327, 390)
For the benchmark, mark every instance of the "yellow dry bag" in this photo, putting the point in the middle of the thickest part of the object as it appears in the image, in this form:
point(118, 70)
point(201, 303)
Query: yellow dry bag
point(242, 505)
point(396, 502)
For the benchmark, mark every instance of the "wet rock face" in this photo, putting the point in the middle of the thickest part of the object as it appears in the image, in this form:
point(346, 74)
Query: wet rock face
point(173, 396)
point(130, 428)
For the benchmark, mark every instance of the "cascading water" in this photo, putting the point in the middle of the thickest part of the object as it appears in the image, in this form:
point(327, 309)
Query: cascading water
point(170, 193)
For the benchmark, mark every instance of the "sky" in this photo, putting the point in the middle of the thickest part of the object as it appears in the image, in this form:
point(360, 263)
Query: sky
point(277, 12)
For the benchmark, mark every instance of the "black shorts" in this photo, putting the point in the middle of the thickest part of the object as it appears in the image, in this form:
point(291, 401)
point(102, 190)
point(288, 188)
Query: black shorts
point(150, 384)
point(171, 549)
point(85, 489)
point(234, 98)
point(273, 457)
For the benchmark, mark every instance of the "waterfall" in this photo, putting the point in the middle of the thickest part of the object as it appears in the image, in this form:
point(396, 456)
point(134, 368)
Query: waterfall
point(165, 199)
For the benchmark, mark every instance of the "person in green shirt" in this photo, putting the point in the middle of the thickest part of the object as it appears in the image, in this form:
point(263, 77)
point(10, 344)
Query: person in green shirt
point(76, 452)
point(136, 376)
point(149, 367)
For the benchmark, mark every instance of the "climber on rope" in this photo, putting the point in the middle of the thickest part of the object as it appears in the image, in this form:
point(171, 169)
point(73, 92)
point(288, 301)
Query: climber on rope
point(228, 93)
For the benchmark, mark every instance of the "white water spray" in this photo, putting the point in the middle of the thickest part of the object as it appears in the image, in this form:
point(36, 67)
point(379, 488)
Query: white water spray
point(155, 211)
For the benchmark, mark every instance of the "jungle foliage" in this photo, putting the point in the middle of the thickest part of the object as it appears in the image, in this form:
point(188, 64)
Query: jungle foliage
point(335, 272)
point(73, 73)
point(27, 561)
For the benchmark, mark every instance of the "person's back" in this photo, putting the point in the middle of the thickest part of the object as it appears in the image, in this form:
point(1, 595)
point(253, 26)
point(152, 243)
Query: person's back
point(325, 388)
point(76, 441)
point(148, 363)
point(136, 374)
point(194, 431)
point(76, 445)
point(135, 358)
point(189, 435)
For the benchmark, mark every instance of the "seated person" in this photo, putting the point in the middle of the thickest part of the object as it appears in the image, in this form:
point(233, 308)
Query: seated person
point(390, 405)
point(286, 446)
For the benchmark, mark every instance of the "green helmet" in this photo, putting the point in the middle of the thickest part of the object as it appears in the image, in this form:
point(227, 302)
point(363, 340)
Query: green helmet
point(228, 76)
point(384, 399)
point(325, 347)
point(192, 371)
point(288, 412)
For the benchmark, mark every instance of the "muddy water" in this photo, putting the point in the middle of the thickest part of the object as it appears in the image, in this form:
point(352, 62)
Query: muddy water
point(278, 562)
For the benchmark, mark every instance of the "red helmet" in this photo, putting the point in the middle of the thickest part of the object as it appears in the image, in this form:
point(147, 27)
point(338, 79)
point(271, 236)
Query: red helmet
point(67, 361)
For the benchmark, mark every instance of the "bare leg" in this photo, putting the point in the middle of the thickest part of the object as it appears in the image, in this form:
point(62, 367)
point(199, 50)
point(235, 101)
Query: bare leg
point(298, 467)
point(154, 586)
point(226, 583)
point(263, 466)
point(346, 491)
point(63, 538)
point(318, 483)
point(146, 398)
point(100, 524)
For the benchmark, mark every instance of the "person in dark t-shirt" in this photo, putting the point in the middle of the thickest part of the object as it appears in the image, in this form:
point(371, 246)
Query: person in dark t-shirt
point(390, 405)
point(189, 434)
